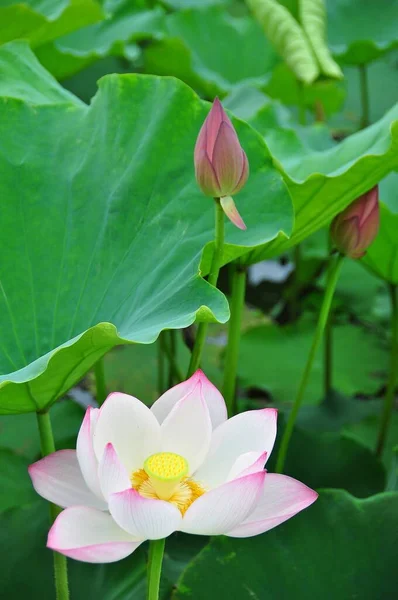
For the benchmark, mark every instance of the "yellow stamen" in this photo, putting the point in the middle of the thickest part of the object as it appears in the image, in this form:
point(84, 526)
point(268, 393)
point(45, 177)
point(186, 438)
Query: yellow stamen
point(185, 492)
point(165, 471)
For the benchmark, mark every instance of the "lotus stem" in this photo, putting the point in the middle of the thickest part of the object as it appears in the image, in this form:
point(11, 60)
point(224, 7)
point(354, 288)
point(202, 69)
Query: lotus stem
point(392, 380)
point(322, 320)
point(60, 565)
point(364, 90)
point(156, 551)
point(212, 279)
point(234, 332)
point(99, 373)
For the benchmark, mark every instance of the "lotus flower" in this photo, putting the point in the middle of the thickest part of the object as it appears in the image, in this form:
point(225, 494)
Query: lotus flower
point(221, 166)
point(354, 229)
point(141, 473)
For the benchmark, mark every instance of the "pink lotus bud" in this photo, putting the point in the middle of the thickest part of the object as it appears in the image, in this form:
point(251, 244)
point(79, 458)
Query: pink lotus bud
point(221, 166)
point(354, 229)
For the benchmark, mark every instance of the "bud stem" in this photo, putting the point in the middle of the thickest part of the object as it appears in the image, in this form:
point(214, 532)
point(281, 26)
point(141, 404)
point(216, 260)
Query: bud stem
point(389, 397)
point(231, 356)
point(322, 320)
point(212, 279)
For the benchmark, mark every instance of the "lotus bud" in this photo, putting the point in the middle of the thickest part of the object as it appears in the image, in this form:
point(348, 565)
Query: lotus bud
point(221, 166)
point(354, 229)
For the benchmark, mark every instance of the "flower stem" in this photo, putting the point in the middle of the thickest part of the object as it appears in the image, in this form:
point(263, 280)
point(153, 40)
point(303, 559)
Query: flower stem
point(60, 566)
point(328, 336)
point(389, 397)
point(231, 356)
point(99, 373)
point(156, 551)
point(363, 83)
point(323, 316)
point(212, 279)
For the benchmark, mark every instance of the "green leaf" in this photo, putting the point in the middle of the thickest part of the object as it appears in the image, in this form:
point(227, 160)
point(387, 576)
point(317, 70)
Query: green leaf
point(105, 227)
point(22, 78)
point(322, 184)
point(331, 460)
point(123, 580)
point(382, 256)
point(115, 36)
point(339, 547)
point(360, 32)
point(15, 482)
point(367, 432)
point(42, 21)
point(18, 433)
point(211, 51)
point(288, 38)
point(273, 358)
point(312, 16)
point(335, 412)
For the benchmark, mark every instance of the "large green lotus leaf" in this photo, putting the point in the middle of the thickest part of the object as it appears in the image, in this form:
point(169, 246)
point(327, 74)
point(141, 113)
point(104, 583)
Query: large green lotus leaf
point(211, 51)
point(115, 36)
point(331, 460)
point(273, 358)
point(338, 548)
point(40, 21)
point(360, 31)
point(324, 183)
point(382, 256)
point(22, 77)
point(105, 226)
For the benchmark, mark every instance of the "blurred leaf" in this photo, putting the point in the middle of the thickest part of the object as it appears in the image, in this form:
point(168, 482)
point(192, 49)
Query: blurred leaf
point(211, 51)
point(15, 484)
point(41, 21)
point(123, 580)
point(335, 412)
point(382, 256)
point(360, 31)
point(19, 432)
point(338, 548)
point(367, 432)
point(122, 238)
point(273, 358)
point(285, 33)
point(331, 460)
point(112, 37)
point(312, 16)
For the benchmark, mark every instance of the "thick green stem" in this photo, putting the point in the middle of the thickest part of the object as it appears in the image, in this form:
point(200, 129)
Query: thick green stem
point(212, 279)
point(231, 356)
point(364, 90)
point(323, 317)
point(328, 337)
point(60, 566)
point(328, 358)
point(156, 551)
point(393, 376)
point(170, 350)
point(99, 373)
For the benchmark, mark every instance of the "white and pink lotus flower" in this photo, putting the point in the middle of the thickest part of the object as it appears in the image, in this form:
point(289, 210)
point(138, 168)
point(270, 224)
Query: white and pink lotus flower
point(141, 474)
